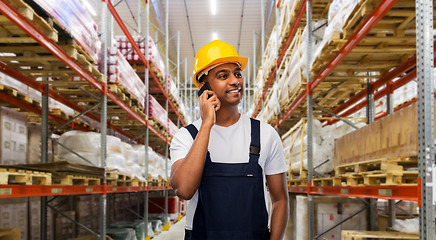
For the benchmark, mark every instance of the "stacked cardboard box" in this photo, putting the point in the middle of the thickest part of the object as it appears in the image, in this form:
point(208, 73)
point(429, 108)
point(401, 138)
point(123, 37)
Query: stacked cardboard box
point(33, 154)
point(82, 207)
point(35, 219)
point(95, 211)
point(13, 136)
point(64, 228)
point(13, 214)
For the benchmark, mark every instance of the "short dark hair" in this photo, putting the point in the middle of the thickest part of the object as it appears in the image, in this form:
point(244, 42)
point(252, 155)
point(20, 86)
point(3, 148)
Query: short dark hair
point(203, 78)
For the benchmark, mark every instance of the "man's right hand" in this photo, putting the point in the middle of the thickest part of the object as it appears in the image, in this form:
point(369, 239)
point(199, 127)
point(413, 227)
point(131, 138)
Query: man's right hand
point(208, 107)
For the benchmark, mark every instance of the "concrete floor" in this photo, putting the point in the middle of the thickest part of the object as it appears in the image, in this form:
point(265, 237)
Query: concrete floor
point(176, 232)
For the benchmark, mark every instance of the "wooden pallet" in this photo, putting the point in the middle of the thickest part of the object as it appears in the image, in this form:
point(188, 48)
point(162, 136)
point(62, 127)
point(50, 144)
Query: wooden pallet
point(326, 182)
point(77, 180)
point(382, 164)
point(297, 182)
point(360, 235)
point(376, 178)
point(10, 31)
point(24, 177)
point(379, 50)
point(113, 178)
point(288, 16)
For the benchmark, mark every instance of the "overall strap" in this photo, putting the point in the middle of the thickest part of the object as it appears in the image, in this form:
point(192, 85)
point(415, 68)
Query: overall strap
point(255, 137)
point(192, 130)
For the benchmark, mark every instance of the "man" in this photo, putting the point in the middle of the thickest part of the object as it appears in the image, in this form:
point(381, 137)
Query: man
point(221, 161)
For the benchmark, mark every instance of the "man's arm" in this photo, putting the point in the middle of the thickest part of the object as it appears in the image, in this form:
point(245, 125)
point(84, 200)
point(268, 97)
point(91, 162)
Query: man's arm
point(280, 204)
point(186, 172)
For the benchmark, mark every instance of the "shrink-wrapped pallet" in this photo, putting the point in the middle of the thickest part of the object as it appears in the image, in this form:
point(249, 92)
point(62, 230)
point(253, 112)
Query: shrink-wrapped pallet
point(132, 161)
point(157, 112)
point(271, 106)
point(88, 145)
point(295, 147)
point(75, 19)
point(121, 72)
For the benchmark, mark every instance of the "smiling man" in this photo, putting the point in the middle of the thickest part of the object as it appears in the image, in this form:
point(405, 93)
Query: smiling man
point(223, 161)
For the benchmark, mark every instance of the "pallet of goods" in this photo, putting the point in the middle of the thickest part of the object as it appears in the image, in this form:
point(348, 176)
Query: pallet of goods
point(378, 51)
point(81, 42)
point(360, 235)
point(125, 79)
point(288, 14)
point(383, 152)
point(295, 148)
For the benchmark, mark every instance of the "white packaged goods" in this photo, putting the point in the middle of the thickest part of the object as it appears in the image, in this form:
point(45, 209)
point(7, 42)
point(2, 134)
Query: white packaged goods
point(406, 225)
point(14, 214)
point(172, 128)
point(329, 212)
point(156, 165)
point(132, 161)
point(13, 136)
point(88, 144)
point(121, 72)
point(323, 146)
point(339, 12)
point(75, 19)
point(157, 112)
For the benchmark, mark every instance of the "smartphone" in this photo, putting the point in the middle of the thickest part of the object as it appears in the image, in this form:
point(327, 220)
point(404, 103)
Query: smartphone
point(202, 89)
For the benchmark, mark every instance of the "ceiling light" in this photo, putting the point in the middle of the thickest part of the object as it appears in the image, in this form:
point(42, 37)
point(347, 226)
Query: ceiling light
point(89, 8)
point(214, 36)
point(213, 6)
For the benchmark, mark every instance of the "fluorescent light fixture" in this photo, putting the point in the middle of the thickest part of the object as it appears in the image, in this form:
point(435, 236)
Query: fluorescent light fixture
point(213, 6)
point(214, 36)
point(89, 8)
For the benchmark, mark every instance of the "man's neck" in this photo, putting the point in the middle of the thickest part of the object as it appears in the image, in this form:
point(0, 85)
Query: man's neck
point(226, 117)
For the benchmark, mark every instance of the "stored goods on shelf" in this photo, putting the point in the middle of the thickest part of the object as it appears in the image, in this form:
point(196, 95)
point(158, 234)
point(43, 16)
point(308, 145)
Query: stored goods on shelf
point(326, 209)
point(156, 166)
point(83, 208)
point(35, 219)
point(72, 16)
point(159, 116)
point(351, 235)
point(156, 204)
point(132, 161)
point(10, 234)
point(271, 107)
point(138, 226)
point(121, 72)
point(394, 136)
point(14, 214)
point(64, 228)
point(295, 147)
point(13, 136)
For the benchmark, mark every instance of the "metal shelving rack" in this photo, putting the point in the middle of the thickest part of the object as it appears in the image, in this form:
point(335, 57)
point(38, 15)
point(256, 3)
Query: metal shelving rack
point(57, 190)
point(424, 63)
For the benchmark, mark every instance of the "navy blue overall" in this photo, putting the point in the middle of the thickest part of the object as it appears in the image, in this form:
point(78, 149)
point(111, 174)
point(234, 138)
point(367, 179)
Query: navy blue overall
point(231, 202)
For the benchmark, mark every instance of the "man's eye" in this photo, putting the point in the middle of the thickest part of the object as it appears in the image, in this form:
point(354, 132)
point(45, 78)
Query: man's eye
point(238, 75)
point(222, 76)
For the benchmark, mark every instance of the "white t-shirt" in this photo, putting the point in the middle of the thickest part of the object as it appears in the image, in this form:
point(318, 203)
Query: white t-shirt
point(231, 145)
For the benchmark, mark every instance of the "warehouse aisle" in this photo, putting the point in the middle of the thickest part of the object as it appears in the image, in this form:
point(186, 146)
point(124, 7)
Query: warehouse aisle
point(176, 232)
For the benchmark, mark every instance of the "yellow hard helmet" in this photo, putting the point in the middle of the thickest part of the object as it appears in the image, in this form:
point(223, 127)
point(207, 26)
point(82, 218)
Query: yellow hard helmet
point(216, 52)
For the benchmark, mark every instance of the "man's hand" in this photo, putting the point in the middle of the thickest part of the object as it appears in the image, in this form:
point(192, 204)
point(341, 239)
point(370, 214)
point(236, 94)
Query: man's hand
point(208, 107)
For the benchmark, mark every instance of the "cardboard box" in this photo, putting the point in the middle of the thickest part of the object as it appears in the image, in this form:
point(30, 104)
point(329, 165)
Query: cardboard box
point(14, 214)
point(33, 155)
point(393, 136)
point(10, 234)
point(64, 228)
point(13, 134)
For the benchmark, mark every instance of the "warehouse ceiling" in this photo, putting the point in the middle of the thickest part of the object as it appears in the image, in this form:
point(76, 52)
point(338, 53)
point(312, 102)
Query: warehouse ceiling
point(234, 22)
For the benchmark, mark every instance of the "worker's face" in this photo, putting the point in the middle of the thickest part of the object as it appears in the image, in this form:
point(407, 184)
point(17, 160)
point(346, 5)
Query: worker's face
point(226, 81)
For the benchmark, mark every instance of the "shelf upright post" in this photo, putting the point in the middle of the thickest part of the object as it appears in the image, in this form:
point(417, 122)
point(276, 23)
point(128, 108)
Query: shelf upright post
point(186, 84)
point(106, 39)
point(310, 202)
point(254, 58)
point(167, 75)
point(178, 60)
point(390, 110)
point(44, 157)
point(262, 41)
point(147, 111)
point(248, 85)
point(370, 113)
point(425, 77)
point(277, 48)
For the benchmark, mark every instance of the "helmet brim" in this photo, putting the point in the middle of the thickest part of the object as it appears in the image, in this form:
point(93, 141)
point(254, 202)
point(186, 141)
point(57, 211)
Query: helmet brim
point(240, 59)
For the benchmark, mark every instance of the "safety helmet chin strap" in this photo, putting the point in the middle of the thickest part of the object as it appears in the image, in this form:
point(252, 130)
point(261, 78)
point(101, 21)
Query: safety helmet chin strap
point(206, 70)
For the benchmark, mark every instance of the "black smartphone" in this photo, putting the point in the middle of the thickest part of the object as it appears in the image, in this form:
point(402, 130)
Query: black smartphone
point(202, 89)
